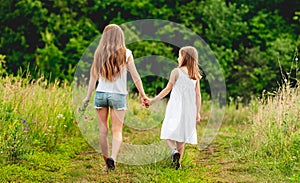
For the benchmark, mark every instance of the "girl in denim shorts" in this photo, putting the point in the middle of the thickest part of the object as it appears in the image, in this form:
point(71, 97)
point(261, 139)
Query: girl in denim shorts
point(111, 62)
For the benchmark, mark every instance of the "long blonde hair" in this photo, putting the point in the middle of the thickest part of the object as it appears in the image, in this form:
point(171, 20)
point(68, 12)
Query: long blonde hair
point(189, 56)
point(110, 55)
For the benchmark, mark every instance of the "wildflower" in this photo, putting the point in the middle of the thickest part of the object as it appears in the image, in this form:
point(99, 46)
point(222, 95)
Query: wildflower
point(296, 58)
point(23, 120)
point(60, 116)
point(285, 80)
point(76, 123)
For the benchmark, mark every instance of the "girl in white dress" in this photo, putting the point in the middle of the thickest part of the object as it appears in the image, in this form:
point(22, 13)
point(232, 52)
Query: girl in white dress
point(183, 109)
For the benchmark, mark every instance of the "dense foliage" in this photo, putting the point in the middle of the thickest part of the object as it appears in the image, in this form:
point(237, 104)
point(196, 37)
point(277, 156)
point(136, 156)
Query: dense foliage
point(249, 38)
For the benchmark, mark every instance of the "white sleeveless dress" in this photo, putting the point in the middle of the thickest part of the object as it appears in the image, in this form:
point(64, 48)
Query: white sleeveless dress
point(180, 118)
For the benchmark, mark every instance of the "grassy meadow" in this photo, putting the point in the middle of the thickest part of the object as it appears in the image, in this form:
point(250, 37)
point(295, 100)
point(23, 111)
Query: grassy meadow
point(40, 140)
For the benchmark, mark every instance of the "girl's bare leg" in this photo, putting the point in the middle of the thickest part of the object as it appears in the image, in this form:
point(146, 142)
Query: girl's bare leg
point(180, 148)
point(117, 118)
point(171, 143)
point(102, 115)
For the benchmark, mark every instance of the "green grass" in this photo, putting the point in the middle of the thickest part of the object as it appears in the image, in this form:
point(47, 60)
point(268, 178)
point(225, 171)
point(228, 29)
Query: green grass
point(40, 140)
point(271, 137)
point(211, 165)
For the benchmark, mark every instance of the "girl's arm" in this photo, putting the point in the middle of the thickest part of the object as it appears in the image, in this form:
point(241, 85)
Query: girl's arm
point(198, 100)
point(167, 89)
point(90, 89)
point(162, 94)
point(136, 77)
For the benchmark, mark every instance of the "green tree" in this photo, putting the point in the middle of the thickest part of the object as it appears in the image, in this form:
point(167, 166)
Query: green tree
point(247, 37)
point(2, 65)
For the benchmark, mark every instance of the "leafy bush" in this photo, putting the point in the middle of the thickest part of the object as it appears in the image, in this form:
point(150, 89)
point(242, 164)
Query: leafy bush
point(2, 65)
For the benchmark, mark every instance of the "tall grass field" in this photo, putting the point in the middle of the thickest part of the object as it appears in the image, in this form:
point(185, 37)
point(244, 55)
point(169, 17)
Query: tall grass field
point(40, 140)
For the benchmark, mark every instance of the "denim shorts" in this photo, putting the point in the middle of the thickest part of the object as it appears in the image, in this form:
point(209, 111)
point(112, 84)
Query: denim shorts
point(115, 101)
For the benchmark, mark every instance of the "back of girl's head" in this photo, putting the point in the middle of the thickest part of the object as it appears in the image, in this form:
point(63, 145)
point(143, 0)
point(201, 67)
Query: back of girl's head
point(110, 55)
point(112, 36)
point(189, 56)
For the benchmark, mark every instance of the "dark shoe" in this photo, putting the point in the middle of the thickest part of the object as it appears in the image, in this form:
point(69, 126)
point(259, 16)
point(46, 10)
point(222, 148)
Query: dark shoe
point(178, 165)
point(110, 163)
point(175, 156)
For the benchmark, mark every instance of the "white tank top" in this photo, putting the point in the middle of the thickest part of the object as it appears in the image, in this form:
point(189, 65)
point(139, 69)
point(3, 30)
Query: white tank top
point(117, 86)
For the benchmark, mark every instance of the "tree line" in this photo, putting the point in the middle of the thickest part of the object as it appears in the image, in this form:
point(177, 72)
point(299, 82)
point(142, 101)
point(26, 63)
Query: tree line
point(255, 42)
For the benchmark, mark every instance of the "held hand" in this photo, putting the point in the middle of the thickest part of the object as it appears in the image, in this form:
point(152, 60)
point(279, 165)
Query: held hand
point(198, 118)
point(151, 101)
point(145, 101)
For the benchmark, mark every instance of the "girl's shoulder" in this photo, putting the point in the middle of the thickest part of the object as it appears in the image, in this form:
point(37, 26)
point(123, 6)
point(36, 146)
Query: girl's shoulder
point(128, 53)
point(174, 75)
point(175, 71)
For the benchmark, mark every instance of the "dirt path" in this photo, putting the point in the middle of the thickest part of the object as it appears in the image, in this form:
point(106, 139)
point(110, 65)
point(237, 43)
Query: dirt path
point(214, 164)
